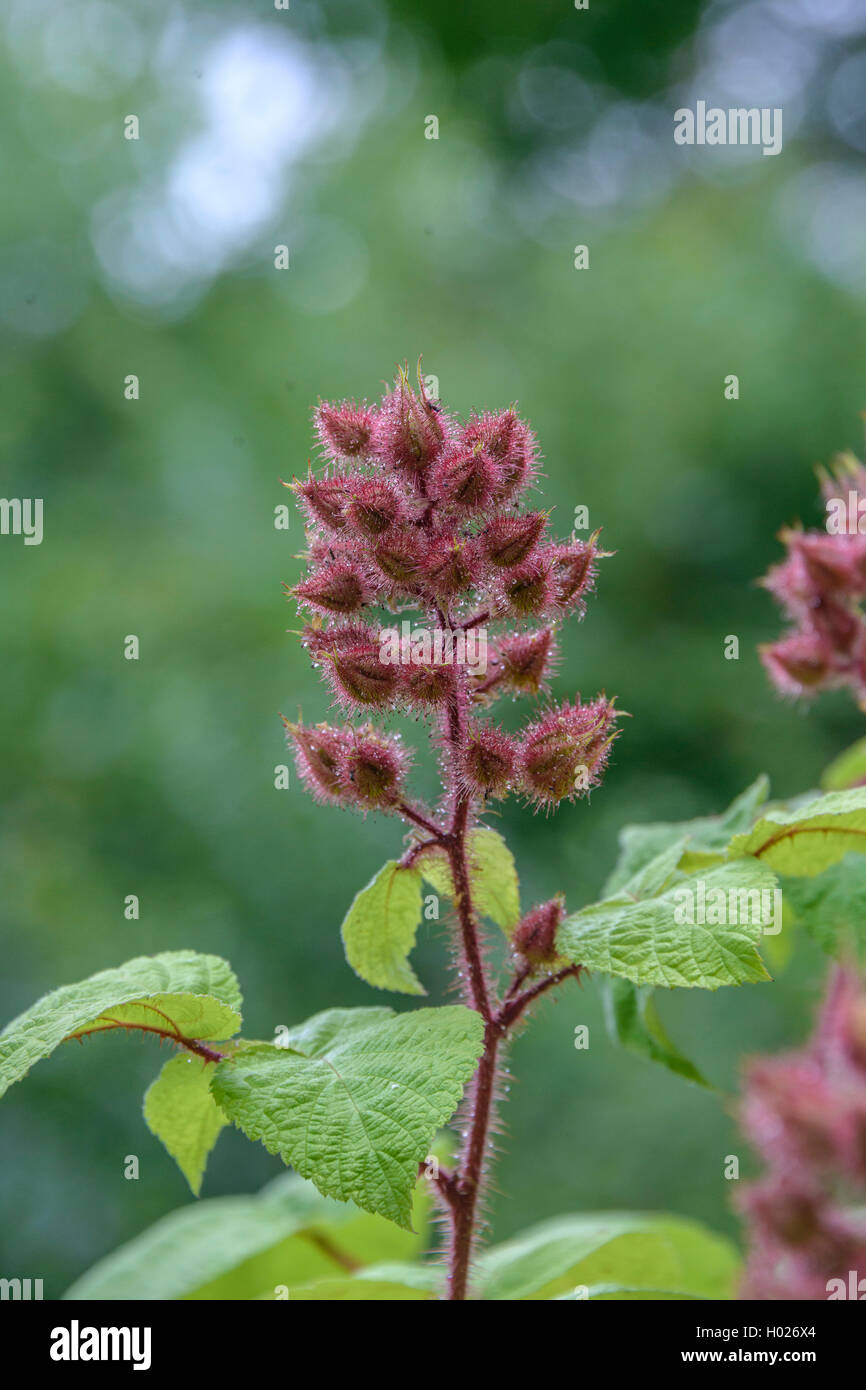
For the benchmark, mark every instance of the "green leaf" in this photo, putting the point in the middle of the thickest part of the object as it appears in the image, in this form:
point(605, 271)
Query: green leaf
point(832, 906)
point(356, 1106)
point(492, 877)
point(192, 1248)
point(644, 942)
point(633, 1022)
point(362, 1288)
point(176, 994)
point(846, 770)
point(629, 1249)
point(380, 926)
point(706, 838)
point(180, 1110)
point(809, 838)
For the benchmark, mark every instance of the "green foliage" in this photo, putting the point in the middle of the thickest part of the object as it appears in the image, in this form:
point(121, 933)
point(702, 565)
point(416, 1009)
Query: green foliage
point(704, 840)
point(379, 929)
point(846, 770)
point(809, 838)
point(642, 940)
point(181, 1111)
point(627, 1249)
point(354, 1100)
point(236, 1247)
point(178, 993)
point(493, 877)
point(633, 1022)
point(831, 906)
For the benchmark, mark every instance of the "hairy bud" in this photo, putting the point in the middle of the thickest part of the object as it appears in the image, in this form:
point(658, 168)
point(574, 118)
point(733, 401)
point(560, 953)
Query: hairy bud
point(339, 587)
point(527, 590)
point(564, 753)
point(526, 659)
point(345, 430)
point(465, 479)
point(374, 768)
point(409, 434)
point(319, 752)
point(373, 505)
point(535, 935)
point(488, 760)
point(323, 500)
point(508, 540)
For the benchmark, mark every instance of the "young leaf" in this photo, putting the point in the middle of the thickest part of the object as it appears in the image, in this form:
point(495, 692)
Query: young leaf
point(492, 875)
point(198, 1244)
point(380, 926)
point(809, 838)
point(624, 1248)
point(646, 943)
point(846, 770)
point(356, 1110)
point(633, 1022)
point(832, 906)
point(706, 838)
point(180, 1110)
point(362, 1288)
point(179, 994)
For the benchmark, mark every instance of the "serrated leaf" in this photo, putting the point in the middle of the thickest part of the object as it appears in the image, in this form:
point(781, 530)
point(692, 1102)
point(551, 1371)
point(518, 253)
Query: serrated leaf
point(180, 1110)
point(706, 838)
point(633, 1249)
point(492, 875)
point(380, 927)
point(646, 943)
point(178, 993)
point(809, 838)
point(846, 770)
point(633, 1022)
point(832, 906)
point(357, 1111)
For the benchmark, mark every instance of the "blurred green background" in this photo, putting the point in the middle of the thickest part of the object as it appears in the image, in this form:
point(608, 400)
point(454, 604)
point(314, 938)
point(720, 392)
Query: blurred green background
point(155, 257)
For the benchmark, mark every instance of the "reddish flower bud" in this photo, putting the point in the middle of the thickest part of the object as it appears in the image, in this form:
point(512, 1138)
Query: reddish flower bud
point(564, 753)
point(345, 430)
point(535, 935)
point(339, 587)
point(527, 590)
point(324, 641)
point(359, 676)
point(451, 564)
point(409, 433)
point(464, 478)
point(400, 555)
point(526, 659)
point(374, 768)
point(510, 443)
point(574, 570)
point(428, 683)
point(323, 500)
point(798, 663)
point(508, 540)
point(832, 562)
point(373, 505)
point(488, 760)
point(318, 757)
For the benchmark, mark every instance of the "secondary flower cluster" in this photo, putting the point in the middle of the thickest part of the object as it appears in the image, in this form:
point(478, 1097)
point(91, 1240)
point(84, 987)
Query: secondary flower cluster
point(806, 1114)
point(820, 586)
point(416, 510)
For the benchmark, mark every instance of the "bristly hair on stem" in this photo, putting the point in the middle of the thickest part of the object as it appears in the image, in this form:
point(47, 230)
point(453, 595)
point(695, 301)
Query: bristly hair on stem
point(416, 510)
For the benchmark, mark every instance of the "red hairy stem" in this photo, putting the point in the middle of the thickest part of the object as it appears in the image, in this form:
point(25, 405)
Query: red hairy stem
point(465, 1204)
point(512, 1009)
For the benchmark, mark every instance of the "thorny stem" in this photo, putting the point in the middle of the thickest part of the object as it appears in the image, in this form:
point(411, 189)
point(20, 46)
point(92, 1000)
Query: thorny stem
point(194, 1045)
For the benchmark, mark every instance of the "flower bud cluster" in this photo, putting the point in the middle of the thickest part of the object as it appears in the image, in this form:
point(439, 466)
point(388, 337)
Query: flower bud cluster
point(805, 1112)
point(414, 509)
point(820, 586)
